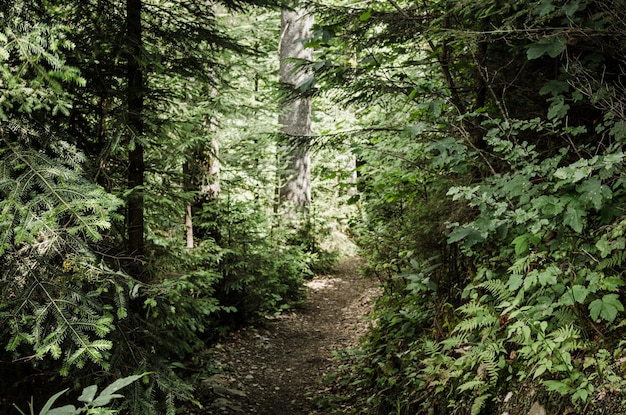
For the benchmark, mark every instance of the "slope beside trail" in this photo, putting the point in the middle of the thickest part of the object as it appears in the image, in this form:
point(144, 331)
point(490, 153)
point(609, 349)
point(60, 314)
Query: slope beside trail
point(278, 369)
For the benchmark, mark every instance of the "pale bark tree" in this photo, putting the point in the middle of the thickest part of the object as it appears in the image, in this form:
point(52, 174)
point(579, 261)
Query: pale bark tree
point(295, 117)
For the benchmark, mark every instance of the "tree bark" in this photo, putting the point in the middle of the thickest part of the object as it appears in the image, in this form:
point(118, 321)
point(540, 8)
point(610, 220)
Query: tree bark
point(295, 118)
point(135, 96)
point(202, 176)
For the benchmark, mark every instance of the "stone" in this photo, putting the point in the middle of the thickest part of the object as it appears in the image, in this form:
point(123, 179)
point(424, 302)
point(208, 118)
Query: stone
point(537, 409)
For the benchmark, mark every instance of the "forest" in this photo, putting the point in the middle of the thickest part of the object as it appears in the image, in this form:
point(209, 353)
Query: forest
point(173, 170)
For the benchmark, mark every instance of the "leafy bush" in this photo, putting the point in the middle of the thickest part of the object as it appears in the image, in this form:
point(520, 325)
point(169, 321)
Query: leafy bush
point(530, 290)
point(92, 404)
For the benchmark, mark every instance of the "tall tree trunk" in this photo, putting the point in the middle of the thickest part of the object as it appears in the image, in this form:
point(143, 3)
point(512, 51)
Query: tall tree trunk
point(135, 96)
point(295, 118)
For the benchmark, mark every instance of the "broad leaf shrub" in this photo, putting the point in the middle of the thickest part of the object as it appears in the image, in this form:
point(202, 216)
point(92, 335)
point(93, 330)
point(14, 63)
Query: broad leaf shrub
point(546, 305)
point(538, 309)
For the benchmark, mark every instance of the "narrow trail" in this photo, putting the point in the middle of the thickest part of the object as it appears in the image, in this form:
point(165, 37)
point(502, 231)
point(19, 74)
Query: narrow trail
point(278, 369)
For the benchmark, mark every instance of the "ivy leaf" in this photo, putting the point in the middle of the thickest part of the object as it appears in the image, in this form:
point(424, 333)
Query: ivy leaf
point(552, 46)
point(605, 307)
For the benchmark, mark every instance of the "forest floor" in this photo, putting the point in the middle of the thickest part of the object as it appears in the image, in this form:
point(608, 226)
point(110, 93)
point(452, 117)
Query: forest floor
point(278, 367)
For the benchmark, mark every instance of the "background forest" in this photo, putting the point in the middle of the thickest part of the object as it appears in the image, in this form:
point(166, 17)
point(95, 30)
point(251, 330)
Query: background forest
point(473, 150)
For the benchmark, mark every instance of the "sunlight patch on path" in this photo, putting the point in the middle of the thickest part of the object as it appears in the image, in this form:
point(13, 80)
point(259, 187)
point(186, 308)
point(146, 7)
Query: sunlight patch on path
point(322, 283)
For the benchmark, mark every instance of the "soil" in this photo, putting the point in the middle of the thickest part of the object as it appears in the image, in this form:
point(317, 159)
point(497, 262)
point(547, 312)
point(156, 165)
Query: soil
point(278, 367)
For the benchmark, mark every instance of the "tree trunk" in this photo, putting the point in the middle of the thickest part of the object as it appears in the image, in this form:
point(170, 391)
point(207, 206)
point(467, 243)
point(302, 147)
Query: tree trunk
point(188, 186)
point(202, 175)
point(135, 94)
point(295, 118)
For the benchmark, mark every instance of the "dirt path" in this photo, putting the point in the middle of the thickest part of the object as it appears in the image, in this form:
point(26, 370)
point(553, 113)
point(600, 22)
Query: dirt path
point(278, 369)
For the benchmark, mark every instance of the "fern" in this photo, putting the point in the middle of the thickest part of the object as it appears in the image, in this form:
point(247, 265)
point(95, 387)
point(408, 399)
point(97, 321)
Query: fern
point(498, 289)
point(616, 259)
point(478, 404)
point(522, 265)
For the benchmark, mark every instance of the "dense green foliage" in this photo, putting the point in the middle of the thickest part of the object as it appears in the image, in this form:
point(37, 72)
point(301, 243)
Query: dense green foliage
point(78, 307)
point(492, 177)
point(481, 154)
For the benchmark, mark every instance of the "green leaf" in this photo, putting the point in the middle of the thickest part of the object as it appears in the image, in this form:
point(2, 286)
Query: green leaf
point(515, 281)
point(558, 108)
point(573, 217)
point(554, 88)
point(593, 192)
point(109, 392)
point(557, 386)
point(552, 46)
point(548, 276)
point(549, 205)
point(88, 394)
point(64, 410)
point(618, 131)
point(574, 172)
point(544, 8)
point(46, 408)
point(606, 307)
point(579, 293)
point(365, 16)
point(462, 232)
point(572, 7)
point(521, 244)
point(530, 280)
point(540, 370)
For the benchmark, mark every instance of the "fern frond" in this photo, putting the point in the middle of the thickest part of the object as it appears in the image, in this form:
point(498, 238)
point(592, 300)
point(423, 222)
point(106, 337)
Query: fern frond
point(473, 384)
point(475, 323)
point(522, 265)
point(497, 288)
point(478, 404)
point(617, 259)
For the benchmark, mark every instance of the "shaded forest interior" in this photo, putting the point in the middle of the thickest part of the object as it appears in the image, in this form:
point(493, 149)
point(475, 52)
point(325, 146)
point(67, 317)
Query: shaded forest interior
point(173, 171)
